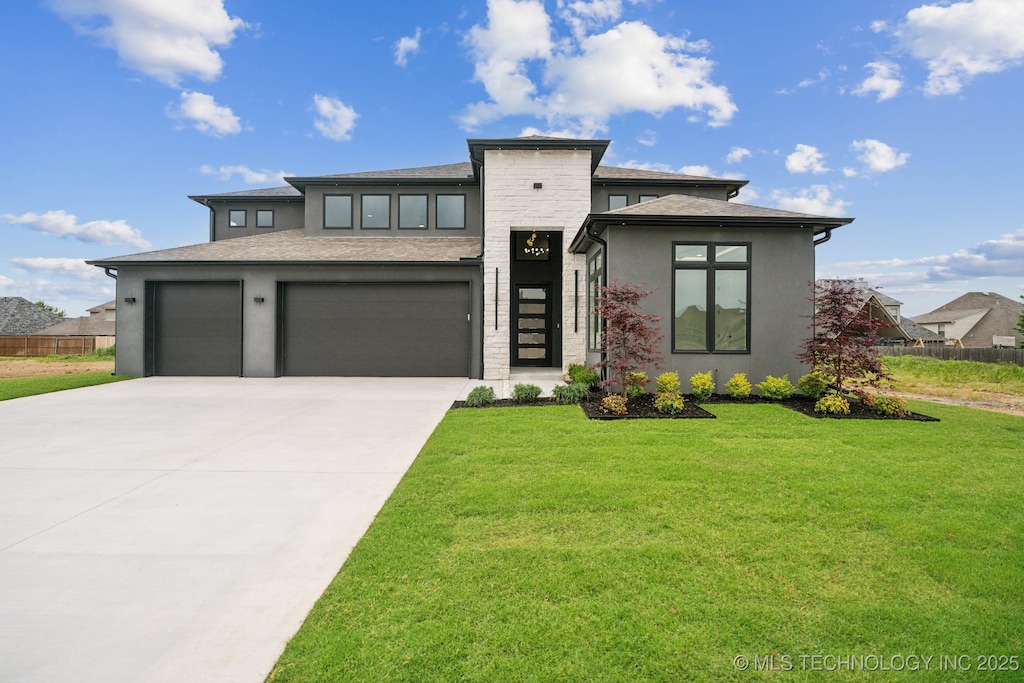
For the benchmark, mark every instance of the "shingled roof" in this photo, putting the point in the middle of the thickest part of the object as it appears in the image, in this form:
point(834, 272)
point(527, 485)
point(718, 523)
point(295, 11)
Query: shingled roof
point(20, 316)
point(292, 246)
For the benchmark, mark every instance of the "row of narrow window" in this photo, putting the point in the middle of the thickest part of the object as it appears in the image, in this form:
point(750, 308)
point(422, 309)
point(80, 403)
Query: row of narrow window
point(375, 211)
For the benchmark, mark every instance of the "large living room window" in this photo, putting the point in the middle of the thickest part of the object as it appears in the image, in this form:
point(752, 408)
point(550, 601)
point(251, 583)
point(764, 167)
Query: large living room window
point(376, 211)
point(710, 298)
point(337, 211)
point(412, 211)
point(451, 211)
point(595, 279)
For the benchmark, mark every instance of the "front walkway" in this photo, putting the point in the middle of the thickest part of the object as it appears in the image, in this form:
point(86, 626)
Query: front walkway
point(179, 529)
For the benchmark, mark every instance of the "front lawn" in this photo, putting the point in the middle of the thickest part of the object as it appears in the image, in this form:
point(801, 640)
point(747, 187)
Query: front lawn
point(30, 386)
point(530, 544)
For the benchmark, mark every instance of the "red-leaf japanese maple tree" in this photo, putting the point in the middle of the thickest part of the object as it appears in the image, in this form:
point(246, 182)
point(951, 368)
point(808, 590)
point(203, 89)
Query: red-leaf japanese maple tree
point(631, 337)
point(844, 334)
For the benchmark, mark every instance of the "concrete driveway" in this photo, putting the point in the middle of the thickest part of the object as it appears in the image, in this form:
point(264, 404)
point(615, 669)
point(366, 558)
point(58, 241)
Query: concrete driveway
point(180, 529)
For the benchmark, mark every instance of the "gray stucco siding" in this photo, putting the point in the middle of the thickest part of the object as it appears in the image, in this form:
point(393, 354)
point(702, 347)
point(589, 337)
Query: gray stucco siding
point(782, 265)
point(288, 215)
point(260, 319)
point(600, 193)
point(314, 209)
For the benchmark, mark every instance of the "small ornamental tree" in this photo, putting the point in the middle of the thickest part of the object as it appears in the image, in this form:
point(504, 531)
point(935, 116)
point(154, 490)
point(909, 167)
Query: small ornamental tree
point(844, 334)
point(631, 337)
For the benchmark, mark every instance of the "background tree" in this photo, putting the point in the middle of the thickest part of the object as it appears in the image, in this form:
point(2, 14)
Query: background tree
point(844, 335)
point(52, 309)
point(631, 337)
point(1020, 323)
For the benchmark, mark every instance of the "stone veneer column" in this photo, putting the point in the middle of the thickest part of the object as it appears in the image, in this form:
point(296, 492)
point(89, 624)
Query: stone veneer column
point(512, 203)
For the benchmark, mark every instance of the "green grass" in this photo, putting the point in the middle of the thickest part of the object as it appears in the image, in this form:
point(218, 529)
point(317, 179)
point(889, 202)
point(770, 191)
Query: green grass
point(98, 355)
point(530, 544)
point(954, 377)
point(30, 386)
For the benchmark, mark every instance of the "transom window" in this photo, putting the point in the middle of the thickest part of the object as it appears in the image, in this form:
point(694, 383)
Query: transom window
point(376, 211)
point(412, 211)
point(236, 218)
point(337, 211)
point(711, 294)
point(451, 211)
point(264, 218)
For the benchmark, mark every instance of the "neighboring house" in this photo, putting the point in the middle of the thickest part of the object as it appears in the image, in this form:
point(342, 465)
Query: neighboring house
point(881, 307)
point(976, 319)
point(907, 332)
point(471, 269)
point(20, 316)
point(101, 322)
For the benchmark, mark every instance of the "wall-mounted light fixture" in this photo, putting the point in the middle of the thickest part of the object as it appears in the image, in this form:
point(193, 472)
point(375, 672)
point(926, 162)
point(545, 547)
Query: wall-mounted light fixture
point(538, 186)
point(129, 299)
point(258, 299)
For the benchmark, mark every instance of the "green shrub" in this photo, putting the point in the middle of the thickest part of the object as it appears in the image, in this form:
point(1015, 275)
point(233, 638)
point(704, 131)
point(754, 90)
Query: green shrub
point(702, 385)
point(738, 386)
point(813, 384)
point(832, 404)
point(568, 394)
point(635, 383)
point(106, 352)
point(480, 396)
point(669, 402)
point(581, 374)
point(614, 404)
point(667, 382)
point(776, 388)
point(890, 406)
point(525, 393)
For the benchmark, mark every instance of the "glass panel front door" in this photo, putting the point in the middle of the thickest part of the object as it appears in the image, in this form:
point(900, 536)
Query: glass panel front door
point(532, 325)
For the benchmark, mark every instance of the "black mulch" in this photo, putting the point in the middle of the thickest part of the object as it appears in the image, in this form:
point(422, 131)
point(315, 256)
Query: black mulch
point(642, 407)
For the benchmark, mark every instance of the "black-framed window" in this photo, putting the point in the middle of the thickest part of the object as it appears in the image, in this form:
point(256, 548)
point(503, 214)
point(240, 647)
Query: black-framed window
point(710, 297)
point(376, 211)
point(236, 218)
point(412, 211)
point(451, 211)
point(337, 211)
point(617, 201)
point(595, 280)
point(648, 197)
point(264, 218)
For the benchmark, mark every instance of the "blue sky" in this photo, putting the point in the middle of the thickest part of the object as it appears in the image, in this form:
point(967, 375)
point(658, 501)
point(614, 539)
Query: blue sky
point(905, 115)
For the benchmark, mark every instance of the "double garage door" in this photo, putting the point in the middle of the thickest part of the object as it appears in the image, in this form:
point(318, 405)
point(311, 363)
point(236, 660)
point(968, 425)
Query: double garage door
point(329, 329)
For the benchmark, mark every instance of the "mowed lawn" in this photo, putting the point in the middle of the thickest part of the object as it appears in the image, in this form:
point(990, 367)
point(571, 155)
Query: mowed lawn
point(530, 544)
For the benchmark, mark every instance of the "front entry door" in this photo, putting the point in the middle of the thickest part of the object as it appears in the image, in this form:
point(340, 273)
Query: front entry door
point(531, 330)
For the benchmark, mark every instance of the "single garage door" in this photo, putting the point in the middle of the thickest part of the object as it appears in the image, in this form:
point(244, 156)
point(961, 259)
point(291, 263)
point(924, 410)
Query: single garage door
point(375, 330)
point(194, 328)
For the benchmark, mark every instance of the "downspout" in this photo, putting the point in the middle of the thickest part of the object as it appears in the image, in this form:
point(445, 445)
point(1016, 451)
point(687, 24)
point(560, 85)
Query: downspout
point(604, 279)
point(106, 271)
point(826, 238)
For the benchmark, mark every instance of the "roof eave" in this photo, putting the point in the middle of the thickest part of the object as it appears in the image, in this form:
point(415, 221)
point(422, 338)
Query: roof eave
point(115, 263)
point(477, 147)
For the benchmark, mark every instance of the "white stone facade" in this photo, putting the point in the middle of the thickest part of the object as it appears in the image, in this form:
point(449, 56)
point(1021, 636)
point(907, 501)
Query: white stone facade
point(511, 202)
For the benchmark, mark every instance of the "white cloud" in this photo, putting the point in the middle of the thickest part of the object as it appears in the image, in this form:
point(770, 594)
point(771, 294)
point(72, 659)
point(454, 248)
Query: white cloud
point(647, 166)
point(817, 200)
point(74, 267)
point(165, 39)
point(806, 159)
point(335, 120)
point(958, 41)
point(406, 46)
point(697, 170)
point(877, 156)
point(589, 78)
point(850, 172)
point(884, 80)
point(737, 154)
point(64, 224)
point(247, 174)
point(206, 115)
point(648, 138)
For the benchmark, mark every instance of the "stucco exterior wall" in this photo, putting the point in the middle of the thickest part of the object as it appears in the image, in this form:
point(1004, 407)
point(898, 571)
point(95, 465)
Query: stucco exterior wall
point(512, 203)
point(599, 203)
point(314, 209)
point(782, 266)
point(259, 320)
point(288, 215)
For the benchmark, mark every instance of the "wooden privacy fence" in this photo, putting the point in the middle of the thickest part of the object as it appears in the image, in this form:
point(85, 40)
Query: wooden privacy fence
point(32, 345)
point(1015, 356)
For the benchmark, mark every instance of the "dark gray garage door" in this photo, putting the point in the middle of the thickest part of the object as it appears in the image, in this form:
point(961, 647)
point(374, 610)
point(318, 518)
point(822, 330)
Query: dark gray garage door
point(375, 330)
point(194, 328)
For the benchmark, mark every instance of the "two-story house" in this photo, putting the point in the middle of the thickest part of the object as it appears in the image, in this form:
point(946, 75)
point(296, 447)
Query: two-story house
point(470, 269)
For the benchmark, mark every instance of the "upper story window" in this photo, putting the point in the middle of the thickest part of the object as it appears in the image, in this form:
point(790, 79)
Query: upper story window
point(412, 211)
point(264, 218)
point(648, 197)
point(451, 211)
point(337, 211)
point(376, 211)
point(236, 218)
point(711, 291)
point(617, 201)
